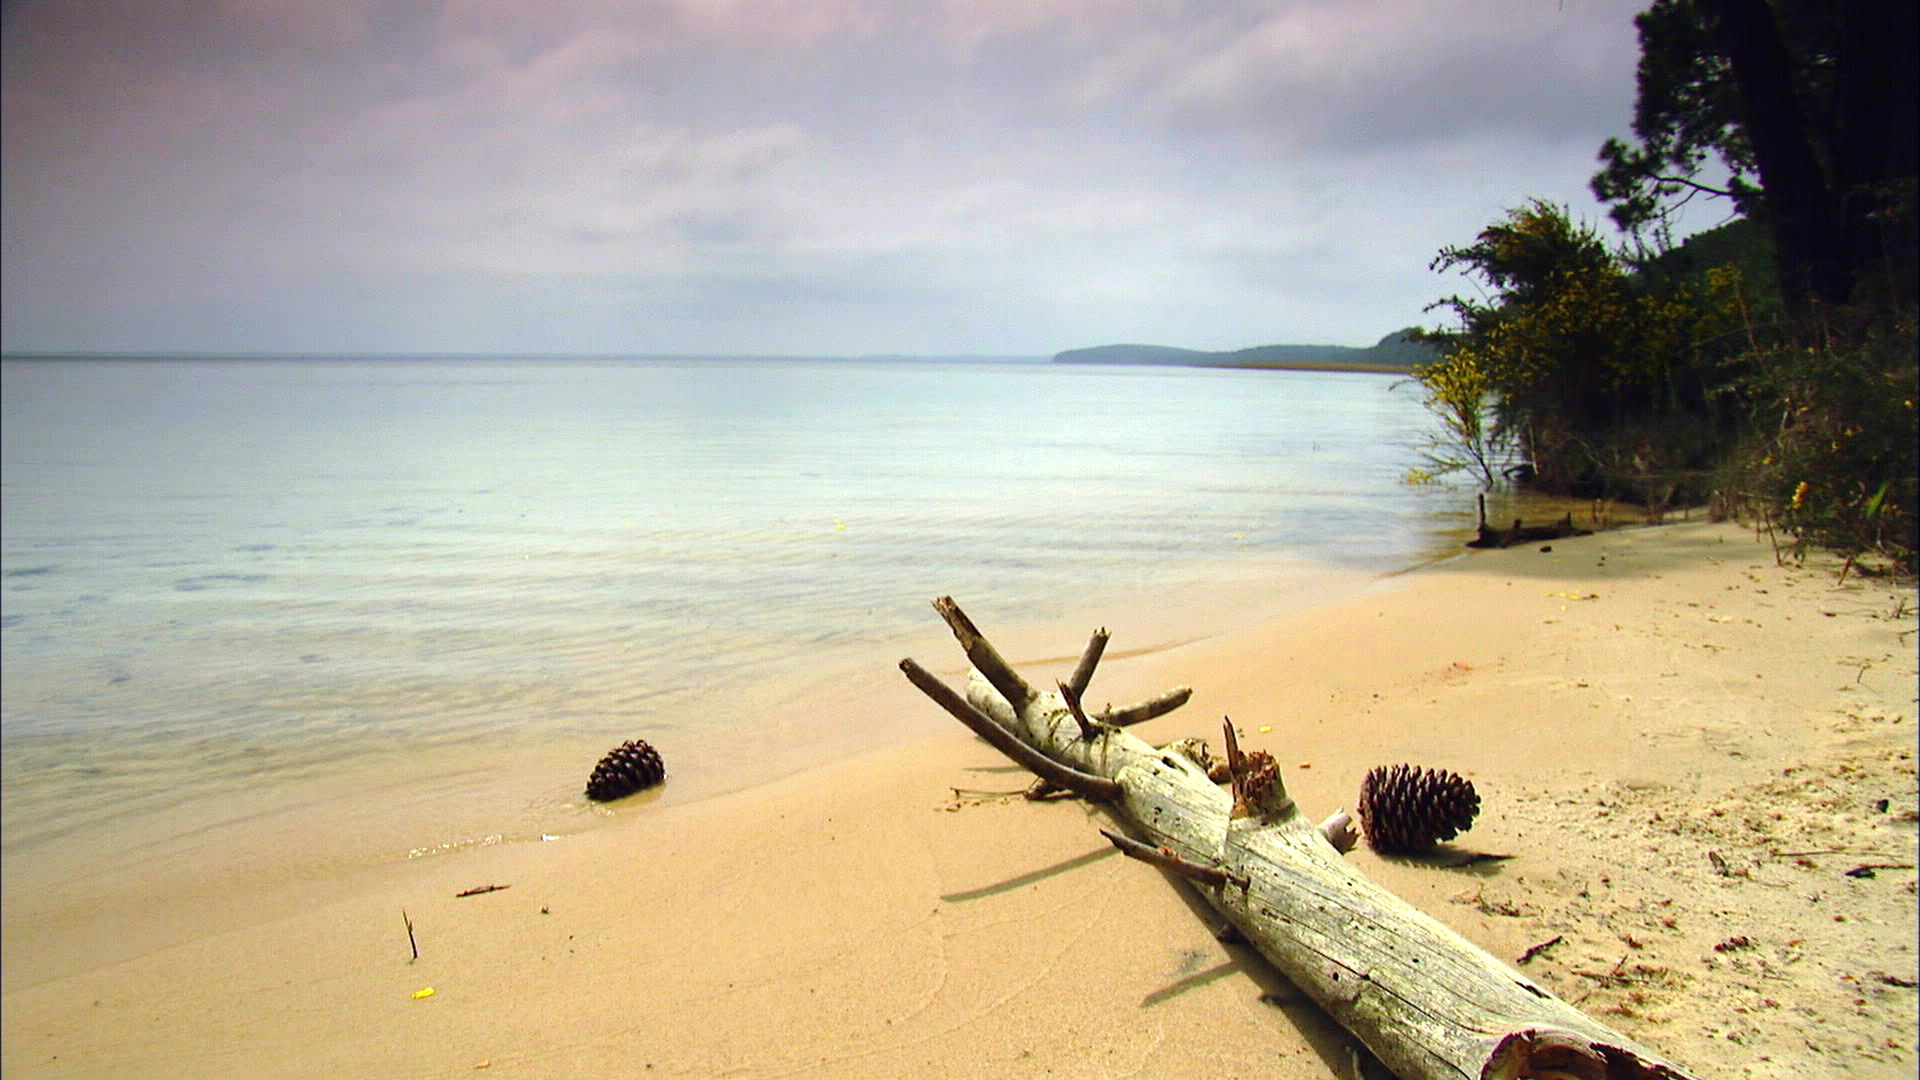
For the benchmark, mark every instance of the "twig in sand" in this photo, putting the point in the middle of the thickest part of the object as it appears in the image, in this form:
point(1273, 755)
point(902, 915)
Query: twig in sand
point(1826, 851)
point(414, 944)
point(1604, 978)
point(1865, 870)
point(478, 889)
point(1536, 950)
point(1612, 974)
point(1042, 790)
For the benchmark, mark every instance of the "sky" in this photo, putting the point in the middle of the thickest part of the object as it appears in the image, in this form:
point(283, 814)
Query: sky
point(776, 177)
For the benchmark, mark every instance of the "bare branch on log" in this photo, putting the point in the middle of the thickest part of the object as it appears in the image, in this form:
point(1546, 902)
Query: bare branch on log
point(985, 657)
point(1210, 876)
point(1082, 675)
point(1159, 705)
point(1087, 785)
point(1072, 697)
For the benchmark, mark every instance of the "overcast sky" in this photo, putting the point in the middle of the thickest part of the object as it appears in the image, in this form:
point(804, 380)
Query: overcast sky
point(813, 177)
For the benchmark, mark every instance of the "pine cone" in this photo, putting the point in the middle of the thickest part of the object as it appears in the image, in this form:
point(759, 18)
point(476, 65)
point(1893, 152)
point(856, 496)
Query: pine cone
point(1405, 808)
point(632, 766)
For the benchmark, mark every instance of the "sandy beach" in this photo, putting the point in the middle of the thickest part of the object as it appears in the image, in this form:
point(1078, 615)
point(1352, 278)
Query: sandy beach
point(1698, 765)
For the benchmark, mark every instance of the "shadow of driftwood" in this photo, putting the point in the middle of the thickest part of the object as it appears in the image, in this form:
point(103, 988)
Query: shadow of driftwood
point(999, 769)
point(1230, 966)
point(1481, 864)
point(1343, 1054)
point(1023, 880)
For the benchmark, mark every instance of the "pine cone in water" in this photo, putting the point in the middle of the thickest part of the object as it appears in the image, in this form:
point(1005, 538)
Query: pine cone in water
point(632, 766)
point(1405, 808)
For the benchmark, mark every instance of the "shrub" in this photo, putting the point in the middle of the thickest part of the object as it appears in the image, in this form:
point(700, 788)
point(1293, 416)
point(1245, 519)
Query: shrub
point(1836, 463)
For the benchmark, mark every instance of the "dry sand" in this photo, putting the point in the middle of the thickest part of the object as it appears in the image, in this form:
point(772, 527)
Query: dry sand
point(1683, 748)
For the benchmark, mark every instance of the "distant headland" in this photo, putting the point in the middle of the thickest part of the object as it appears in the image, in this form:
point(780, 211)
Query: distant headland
point(1395, 354)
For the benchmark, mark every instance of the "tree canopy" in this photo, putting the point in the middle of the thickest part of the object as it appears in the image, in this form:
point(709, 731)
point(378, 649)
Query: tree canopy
point(1802, 113)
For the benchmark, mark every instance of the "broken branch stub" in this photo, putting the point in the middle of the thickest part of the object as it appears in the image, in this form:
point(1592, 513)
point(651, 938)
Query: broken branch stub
point(1082, 675)
point(986, 659)
point(1158, 705)
point(1429, 1003)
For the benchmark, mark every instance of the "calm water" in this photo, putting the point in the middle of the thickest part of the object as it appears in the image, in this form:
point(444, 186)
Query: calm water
point(224, 575)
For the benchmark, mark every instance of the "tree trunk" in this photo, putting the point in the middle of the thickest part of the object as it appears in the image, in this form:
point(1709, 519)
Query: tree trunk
point(1428, 1002)
point(1799, 197)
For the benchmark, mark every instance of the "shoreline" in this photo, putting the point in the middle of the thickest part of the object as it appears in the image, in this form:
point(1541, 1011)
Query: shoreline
point(1623, 701)
point(238, 853)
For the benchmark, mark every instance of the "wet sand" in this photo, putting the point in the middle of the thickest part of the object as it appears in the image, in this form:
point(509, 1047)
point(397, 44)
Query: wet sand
point(1700, 764)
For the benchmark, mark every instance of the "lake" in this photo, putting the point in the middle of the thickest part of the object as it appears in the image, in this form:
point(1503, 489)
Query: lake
point(439, 589)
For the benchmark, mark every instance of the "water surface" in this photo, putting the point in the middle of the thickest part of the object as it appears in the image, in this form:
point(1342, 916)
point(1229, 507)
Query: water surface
point(452, 584)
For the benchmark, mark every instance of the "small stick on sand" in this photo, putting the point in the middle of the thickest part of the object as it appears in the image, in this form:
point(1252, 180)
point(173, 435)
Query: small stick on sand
point(415, 945)
point(1536, 950)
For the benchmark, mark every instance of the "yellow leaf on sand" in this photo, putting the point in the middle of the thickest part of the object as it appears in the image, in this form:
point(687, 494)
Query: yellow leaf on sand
point(423, 992)
point(1265, 728)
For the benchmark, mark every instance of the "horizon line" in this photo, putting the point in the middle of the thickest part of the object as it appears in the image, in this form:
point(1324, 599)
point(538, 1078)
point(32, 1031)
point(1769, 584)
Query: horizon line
point(310, 354)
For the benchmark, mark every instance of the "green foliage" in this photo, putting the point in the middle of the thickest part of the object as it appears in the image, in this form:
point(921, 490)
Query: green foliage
point(1838, 461)
point(1459, 393)
point(1776, 354)
point(1599, 377)
point(1742, 245)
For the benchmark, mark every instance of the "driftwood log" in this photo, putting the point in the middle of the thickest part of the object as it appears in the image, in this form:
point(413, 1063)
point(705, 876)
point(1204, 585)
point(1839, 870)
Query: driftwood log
point(1426, 1001)
point(1487, 536)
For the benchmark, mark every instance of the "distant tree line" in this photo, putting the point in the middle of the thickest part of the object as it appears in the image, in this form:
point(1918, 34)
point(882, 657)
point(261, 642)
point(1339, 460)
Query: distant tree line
point(1399, 351)
point(1770, 362)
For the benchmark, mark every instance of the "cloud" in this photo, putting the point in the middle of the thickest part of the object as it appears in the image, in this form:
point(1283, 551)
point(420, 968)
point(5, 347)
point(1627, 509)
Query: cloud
point(298, 25)
point(931, 175)
point(1360, 74)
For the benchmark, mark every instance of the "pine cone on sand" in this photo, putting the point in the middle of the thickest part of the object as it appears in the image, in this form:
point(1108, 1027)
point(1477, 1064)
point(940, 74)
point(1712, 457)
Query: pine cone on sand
point(632, 766)
point(1405, 808)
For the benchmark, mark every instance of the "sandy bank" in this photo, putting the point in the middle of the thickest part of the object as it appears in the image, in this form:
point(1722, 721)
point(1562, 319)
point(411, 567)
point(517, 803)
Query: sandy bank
point(1683, 748)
